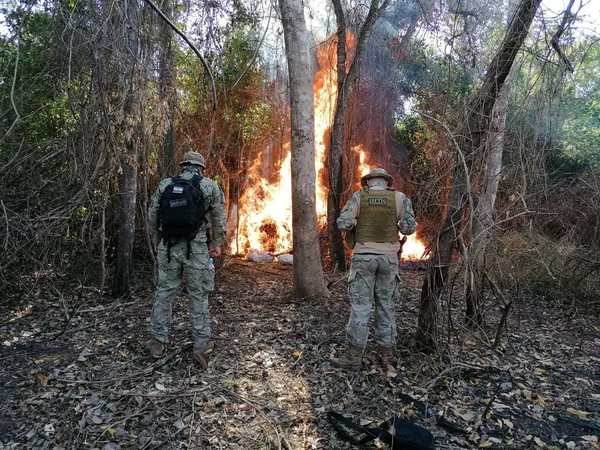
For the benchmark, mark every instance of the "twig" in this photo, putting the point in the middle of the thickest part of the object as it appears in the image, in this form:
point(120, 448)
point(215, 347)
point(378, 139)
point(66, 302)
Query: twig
point(17, 153)
point(147, 371)
point(429, 412)
point(6, 220)
point(502, 324)
point(488, 406)
point(338, 281)
point(107, 308)
point(581, 423)
point(505, 310)
point(193, 47)
point(192, 422)
point(463, 161)
point(158, 395)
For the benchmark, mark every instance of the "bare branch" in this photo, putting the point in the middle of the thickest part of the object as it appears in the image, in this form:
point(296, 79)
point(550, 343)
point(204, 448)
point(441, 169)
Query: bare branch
point(256, 51)
point(7, 230)
point(193, 47)
point(567, 19)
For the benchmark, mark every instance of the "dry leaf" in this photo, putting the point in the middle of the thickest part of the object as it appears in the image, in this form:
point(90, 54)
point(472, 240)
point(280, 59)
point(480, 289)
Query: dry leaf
point(578, 413)
point(42, 378)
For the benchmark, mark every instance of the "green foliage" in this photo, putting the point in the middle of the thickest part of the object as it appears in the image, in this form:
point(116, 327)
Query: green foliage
point(255, 121)
point(428, 76)
point(238, 53)
point(581, 112)
point(42, 104)
point(408, 131)
point(558, 111)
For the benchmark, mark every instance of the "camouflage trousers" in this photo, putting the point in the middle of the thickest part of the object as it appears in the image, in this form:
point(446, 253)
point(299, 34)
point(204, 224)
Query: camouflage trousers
point(199, 279)
point(373, 277)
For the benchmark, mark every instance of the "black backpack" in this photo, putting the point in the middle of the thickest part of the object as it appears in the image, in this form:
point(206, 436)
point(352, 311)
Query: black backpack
point(396, 432)
point(181, 211)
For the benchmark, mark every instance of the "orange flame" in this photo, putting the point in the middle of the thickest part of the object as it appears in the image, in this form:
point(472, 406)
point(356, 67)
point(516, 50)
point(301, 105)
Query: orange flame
point(265, 208)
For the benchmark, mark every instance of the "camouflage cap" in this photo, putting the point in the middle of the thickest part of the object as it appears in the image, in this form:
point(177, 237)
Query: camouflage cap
point(193, 158)
point(377, 173)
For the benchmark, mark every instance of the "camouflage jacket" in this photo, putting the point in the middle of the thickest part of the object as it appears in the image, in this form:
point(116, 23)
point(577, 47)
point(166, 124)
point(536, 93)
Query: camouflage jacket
point(213, 230)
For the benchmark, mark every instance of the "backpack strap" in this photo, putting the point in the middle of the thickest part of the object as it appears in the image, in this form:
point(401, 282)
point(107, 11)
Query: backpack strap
point(196, 179)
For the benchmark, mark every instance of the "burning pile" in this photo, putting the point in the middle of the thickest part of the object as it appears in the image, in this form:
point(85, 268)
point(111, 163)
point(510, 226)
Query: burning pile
point(265, 207)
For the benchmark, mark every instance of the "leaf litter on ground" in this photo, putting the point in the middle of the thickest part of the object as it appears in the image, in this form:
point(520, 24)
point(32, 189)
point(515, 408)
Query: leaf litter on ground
point(270, 383)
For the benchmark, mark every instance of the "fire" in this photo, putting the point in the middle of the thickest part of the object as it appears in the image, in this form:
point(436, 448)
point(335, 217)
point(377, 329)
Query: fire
point(413, 249)
point(268, 206)
point(265, 208)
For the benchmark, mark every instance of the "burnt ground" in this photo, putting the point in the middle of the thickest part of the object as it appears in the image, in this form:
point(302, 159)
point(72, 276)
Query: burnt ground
point(74, 373)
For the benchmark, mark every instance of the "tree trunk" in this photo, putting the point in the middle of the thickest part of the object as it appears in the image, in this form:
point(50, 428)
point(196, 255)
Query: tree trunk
point(125, 50)
point(123, 258)
point(469, 140)
point(345, 82)
point(483, 216)
point(308, 273)
point(167, 91)
point(335, 166)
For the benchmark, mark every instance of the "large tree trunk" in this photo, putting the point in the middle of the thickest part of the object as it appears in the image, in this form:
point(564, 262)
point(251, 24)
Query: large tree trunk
point(469, 141)
point(167, 91)
point(125, 54)
point(345, 82)
point(308, 272)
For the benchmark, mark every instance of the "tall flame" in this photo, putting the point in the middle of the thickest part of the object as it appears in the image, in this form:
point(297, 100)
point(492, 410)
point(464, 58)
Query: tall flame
point(265, 208)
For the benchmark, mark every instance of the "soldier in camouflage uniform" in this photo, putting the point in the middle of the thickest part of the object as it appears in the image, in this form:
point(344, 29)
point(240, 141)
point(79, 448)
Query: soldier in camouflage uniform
point(177, 261)
point(373, 216)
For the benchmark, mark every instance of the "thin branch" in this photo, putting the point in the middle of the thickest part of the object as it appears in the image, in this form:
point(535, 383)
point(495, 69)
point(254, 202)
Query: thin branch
point(566, 21)
point(12, 94)
point(193, 47)
point(460, 153)
point(374, 12)
point(251, 63)
point(13, 158)
point(6, 219)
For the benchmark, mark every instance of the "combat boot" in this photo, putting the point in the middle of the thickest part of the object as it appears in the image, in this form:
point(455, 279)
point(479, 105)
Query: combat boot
point(351, 359)
point(201, 353)
point(156, 348)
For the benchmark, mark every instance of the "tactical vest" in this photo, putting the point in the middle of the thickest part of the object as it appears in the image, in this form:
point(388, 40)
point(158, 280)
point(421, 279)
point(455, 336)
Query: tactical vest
point(376, 221)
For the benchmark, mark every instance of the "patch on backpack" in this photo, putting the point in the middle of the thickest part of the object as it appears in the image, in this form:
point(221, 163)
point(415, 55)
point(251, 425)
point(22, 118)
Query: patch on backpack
point(178, 203)
point(177, 189)
point(377, 201)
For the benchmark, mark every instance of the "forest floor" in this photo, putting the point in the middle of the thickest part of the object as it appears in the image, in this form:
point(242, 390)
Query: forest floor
point(75, 374)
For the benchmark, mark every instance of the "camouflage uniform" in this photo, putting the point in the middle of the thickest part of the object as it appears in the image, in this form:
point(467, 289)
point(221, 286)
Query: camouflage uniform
point(197, 271)
point(374, 272)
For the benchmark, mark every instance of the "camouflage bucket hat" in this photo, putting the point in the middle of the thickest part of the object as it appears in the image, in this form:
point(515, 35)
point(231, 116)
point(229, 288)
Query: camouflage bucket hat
point(193, 158)
point(377, 173)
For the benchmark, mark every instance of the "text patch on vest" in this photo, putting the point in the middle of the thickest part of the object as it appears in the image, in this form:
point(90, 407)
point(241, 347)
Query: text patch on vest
point(378, 201)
